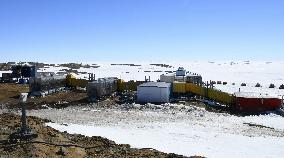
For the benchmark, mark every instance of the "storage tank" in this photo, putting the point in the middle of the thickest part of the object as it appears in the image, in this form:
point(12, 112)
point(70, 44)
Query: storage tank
point(47, 83)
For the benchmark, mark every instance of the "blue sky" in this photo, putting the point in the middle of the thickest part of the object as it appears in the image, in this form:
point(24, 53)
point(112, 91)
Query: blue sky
point(133, 30)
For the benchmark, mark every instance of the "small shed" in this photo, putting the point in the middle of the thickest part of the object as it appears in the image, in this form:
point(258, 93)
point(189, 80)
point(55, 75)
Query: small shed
point(154, 92)
point(181, 71)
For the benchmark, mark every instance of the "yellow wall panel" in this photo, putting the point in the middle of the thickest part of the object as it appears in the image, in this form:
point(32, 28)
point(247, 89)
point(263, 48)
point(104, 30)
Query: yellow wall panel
point(179, 87)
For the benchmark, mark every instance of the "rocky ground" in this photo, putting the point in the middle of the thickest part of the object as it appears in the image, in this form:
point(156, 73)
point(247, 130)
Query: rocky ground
point(9, 97)
point(51, 142)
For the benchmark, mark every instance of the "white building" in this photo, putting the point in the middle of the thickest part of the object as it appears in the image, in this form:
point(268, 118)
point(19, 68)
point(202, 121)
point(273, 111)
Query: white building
point(154, 92)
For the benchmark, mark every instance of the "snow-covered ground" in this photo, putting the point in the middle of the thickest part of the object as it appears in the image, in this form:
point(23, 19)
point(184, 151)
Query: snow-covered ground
point(175, 128)
point(251, 90)
point(232, 72)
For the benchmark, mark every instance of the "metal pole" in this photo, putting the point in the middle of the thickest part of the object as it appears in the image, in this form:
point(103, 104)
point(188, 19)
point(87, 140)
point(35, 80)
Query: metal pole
point(282, 101)
point(23, 119)
point(23, 99)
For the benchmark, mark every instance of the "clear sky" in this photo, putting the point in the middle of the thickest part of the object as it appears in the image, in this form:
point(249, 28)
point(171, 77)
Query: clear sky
point(131, 30)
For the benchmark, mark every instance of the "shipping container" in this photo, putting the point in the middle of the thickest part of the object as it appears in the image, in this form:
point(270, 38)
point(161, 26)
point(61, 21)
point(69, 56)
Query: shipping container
point(254, 103)
point(154, 92)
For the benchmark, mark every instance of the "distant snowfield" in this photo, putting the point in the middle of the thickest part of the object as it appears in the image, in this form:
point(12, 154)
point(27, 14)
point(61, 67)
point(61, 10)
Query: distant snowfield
point(232, 72)
point(249, 72)
point(187, 131)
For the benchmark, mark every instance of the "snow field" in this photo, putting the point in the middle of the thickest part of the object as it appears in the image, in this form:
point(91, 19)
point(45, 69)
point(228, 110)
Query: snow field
point(187, 131)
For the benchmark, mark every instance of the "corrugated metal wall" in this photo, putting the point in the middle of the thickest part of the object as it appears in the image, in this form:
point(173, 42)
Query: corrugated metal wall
point(179, 87)
point(222, 97)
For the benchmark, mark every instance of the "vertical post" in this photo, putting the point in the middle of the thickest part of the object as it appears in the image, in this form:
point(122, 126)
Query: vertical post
point(282, 101)
point(23, 99)
point(149, 78)
point(206, 90)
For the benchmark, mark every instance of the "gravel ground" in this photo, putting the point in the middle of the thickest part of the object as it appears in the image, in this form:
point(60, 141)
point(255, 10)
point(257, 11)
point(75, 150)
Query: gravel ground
point(135, 115)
